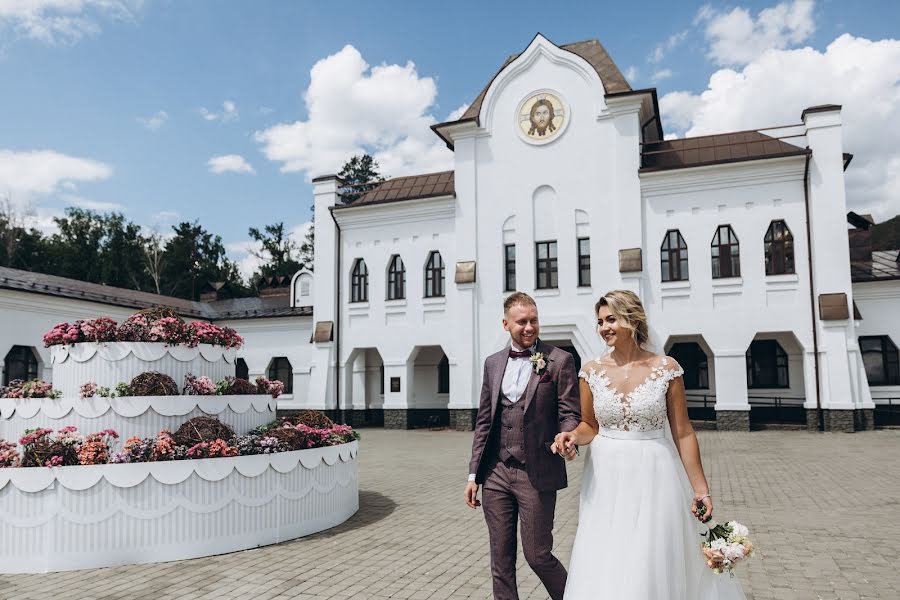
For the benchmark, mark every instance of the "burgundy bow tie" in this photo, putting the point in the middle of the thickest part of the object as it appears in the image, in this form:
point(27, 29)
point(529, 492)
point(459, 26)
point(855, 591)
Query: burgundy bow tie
point(519, 353)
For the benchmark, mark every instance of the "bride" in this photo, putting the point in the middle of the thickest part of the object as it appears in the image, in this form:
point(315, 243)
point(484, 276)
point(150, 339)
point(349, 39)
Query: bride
point(637, 538)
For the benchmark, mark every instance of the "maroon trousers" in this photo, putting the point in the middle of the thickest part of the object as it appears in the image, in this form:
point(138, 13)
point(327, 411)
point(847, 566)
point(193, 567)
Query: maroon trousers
point(507, 498)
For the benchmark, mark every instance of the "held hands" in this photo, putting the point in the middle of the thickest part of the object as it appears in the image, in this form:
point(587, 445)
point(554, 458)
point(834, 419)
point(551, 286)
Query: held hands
point(702, 507)
point(472, 495)
point(564, 445)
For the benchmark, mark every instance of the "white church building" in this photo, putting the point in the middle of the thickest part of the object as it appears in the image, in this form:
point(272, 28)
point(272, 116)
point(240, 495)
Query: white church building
point(564, 187)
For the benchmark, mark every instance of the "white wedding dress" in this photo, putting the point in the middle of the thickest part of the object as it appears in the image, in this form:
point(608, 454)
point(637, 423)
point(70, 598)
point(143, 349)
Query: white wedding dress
point(637, 538)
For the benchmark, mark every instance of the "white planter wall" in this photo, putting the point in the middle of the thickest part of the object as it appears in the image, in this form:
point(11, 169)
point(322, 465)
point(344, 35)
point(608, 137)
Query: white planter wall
point(67, 518)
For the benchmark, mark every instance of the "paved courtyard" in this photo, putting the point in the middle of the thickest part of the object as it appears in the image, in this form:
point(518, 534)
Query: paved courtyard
point(823, 509)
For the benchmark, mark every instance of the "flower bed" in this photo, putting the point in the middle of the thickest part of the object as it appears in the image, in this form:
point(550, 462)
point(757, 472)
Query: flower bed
point(167, 328)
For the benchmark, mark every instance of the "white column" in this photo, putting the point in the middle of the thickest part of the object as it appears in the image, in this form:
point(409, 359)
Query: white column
point(731, 380)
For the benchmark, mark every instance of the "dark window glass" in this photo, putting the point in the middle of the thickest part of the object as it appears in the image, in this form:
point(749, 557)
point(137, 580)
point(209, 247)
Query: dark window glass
point(779, 242)
point(584, 261)
point(726, 260)
point(881, 360)
point(20, 363)
point(674, 254)
point(381, 372)
point(444, 375)
point(767, 365)
point(359, 282)
point(434, 275)
point(240, 369)
point(695, 364)
point(509, 266)
point(547, 267)
point(280, 369)
point(396, 284)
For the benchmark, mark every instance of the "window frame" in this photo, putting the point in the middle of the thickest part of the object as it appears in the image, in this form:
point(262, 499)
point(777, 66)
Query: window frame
point(584, 262)
point(781, 365)
point(890, 359)
point(779, 249)
point(275, 368)
point(435, 276)
point(237, 365)
point(509, 268)
point(685, 354)
point(396, 279)
point(551, 264)
point(725, 256)
point(668, 266)
point(359, 282)
point(31, 366)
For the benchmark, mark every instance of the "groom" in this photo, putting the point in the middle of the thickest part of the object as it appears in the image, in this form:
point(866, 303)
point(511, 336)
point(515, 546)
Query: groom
point(529, 393)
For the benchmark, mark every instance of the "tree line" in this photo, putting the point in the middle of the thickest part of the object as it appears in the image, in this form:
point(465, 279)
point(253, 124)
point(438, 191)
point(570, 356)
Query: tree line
point(106, 248)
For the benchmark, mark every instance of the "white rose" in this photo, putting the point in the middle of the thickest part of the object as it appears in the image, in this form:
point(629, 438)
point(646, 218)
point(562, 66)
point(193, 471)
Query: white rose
point(719, 544)
point(738, 529)
point(734, 552)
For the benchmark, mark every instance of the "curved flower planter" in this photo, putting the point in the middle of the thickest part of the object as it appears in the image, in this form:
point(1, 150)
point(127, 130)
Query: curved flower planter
point(67, 518)
point(108, 363)
point(143, 416)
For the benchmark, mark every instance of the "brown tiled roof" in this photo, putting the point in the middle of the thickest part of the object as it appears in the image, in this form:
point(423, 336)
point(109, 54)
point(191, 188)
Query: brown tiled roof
point(590, 50)
point(238, 308)
point(883, 266)
point(714, 149)
point(428, 185)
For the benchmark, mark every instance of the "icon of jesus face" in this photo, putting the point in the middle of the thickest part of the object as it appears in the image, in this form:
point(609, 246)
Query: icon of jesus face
point(541, 117)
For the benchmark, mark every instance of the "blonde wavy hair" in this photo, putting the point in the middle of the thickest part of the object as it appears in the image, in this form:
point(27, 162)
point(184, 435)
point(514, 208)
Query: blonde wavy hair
point(627, 308)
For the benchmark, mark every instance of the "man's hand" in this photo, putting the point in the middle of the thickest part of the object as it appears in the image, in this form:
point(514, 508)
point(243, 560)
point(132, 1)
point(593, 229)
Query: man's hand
point(472, 495)
point(564, 445)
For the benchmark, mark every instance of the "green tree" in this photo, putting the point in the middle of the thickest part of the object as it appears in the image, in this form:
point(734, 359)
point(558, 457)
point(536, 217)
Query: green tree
point(21, 246)
point(278, 252)
point(122, 255)
point(75, 249)
point(192, 257)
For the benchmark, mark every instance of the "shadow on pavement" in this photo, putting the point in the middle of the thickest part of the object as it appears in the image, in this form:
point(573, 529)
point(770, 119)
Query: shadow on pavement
point(373, 507)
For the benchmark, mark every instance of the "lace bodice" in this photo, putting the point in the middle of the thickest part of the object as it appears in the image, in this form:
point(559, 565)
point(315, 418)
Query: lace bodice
point(641, 409)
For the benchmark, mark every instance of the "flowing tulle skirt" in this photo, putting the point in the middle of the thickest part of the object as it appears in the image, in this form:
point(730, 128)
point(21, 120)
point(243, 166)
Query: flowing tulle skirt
point(636, 538)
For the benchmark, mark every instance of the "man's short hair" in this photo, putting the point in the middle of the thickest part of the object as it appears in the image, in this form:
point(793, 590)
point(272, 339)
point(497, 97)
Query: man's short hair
point(518, 298)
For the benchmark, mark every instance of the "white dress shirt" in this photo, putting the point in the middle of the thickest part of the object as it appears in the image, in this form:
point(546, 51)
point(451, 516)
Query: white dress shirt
point(515, 379)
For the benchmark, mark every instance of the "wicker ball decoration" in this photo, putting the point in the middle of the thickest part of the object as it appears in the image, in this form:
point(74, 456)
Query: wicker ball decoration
point(202, 429)
point(154, 313)
point(242, 387)
point(288, 436)
point(152, 383)
point(42, 451)
point(310, 418)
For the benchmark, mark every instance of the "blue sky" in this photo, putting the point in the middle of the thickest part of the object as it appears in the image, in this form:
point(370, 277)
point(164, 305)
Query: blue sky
point(172, 111)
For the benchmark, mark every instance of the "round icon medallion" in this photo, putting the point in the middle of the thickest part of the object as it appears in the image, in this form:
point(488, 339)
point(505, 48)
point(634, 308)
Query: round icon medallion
point(541, 117)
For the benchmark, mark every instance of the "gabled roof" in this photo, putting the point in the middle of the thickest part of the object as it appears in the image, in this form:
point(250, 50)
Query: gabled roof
point(713, 150)
point(590, 50)
point(238, 308)
point(429, 185)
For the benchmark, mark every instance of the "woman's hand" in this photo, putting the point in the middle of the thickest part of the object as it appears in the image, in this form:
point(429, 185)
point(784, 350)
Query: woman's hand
point(702, 507)
point(564, 445)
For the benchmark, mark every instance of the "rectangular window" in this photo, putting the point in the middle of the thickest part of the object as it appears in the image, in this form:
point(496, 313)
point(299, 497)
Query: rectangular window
point(546, 263)
point(584, 262)
point(509, 263)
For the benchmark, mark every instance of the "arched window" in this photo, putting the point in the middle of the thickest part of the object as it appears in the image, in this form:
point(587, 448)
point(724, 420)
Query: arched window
point(359, 282)
point(280, 369)
point(694, 362)
point(881, 359)
point(20, 363)
point(779, 242)
point(304, 287)
point(241, 371)
point(434, 275)
point(396, 284)
point(443, 375)
point(767, 365)
point(726, 261)
point(674, 257)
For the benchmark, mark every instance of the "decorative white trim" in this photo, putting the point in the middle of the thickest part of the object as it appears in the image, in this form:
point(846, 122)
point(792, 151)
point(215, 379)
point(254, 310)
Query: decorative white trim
point(147, 351)
point(407, 211)
point(716, 177)
point(79, 517)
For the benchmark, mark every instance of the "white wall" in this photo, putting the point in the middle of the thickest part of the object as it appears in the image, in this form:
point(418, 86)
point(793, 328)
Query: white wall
point(879, 305)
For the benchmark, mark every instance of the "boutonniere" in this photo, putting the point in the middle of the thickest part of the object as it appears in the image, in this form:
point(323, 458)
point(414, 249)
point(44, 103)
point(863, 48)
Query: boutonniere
point(538, 362)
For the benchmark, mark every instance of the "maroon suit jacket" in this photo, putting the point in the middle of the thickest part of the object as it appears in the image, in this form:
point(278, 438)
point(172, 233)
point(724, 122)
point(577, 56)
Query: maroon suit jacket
point(552, 405)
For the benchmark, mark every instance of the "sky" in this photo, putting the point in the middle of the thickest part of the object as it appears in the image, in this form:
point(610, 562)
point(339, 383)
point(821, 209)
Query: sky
point(222, 111)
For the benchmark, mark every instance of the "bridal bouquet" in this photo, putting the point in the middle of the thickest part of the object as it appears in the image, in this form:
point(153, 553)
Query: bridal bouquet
point(726, 545)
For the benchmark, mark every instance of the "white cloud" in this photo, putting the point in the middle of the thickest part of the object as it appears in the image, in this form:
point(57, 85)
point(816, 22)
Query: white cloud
point(662, 50)
point(154, 122)
point(229, 163)
point(353, 108)
point(631, 73)
point(62, 21)
point(736, 38)
point(861, 75)
point(25, 174)
point(81, 202)
point(662, 74)
point(229, 113)
point(456, 114)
